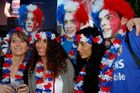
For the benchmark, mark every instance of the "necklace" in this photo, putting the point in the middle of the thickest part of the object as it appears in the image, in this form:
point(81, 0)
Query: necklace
point(43, 85)
point(106, 73)
point(79, 81)
point(6, 70)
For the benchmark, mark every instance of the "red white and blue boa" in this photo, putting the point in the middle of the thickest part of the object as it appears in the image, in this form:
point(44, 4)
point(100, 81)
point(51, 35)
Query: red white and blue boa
point(6, 70)
point(106, 73)
point(78, 86)
point(44, 82)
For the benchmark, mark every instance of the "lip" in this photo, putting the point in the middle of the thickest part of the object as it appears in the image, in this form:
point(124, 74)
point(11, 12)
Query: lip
point(18, 49)
point(69, 31)
point(80, 54)
point(30, 26)
point(106, 29)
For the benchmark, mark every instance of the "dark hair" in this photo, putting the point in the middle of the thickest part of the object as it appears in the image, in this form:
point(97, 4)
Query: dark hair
point(93, 65)
point(56, 56)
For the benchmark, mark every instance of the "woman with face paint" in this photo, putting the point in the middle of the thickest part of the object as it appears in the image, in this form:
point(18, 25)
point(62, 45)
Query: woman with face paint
point(14, 66)
point(91, 48)
point(53, 71)
point(119, 69)
point(68, 16)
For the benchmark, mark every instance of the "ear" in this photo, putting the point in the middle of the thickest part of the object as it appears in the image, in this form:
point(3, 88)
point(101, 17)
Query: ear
point(124, 20)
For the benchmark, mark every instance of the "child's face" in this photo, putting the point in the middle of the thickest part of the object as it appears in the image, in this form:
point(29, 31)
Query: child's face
point(110, 23)
point(31, 22)
point(69, 25)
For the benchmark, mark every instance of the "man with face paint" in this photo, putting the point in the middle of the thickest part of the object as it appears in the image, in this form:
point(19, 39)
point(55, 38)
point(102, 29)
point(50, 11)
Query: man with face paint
point(72, 15)
point(30, 18)
point(119, 69)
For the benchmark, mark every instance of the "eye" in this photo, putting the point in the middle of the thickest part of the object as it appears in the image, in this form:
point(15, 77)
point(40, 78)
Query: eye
point(65, 21)
point(22, 40)
point(45, 40)
point(109, 17)
point(13, 41)
point(83, 44)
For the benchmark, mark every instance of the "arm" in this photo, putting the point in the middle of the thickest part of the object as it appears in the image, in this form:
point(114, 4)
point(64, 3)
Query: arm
point(6, 9)
point(134, 42)
point(134, 22)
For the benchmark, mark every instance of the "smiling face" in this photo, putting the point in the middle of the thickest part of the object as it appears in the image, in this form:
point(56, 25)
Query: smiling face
point(18, 46)
point(31, 22)
point(41, 47)
point(69, 25)
point(84, 50)
point(110, 23)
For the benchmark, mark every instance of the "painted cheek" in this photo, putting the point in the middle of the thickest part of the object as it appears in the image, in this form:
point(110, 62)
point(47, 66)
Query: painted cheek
point(77, 25)
point(115, 25)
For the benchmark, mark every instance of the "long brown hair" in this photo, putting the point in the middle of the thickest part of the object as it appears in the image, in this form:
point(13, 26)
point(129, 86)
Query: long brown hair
point(56, 56)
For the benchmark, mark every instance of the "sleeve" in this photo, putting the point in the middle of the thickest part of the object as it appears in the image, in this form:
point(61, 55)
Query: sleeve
point(134, 42)
point(68, 87)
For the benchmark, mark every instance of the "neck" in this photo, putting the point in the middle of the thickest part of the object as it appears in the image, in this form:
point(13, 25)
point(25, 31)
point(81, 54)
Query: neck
point(44, 59)
point(112, 39)
point(70, 39)
point(17, 59)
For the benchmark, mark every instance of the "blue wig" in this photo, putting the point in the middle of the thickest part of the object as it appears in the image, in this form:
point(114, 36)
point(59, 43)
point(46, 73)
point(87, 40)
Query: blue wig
point(60, 14)
point(22, 15)
point(95, 18)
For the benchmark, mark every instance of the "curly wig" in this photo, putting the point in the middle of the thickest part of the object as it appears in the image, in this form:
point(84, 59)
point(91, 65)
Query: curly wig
point(23, 11)
point(78, 9)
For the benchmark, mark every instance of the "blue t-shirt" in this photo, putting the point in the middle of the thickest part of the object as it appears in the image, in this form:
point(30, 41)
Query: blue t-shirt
point(126, 76)
point(67, 45)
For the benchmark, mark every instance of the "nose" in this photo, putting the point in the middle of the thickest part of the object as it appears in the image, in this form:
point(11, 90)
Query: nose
point(79, 47)
point(18, 43)
point(40, 44)
point(103, 23)
point(28, 22)
point(68, 24)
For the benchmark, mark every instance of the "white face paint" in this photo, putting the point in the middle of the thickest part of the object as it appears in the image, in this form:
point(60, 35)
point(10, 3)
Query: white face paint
point(105, 23)
point(70, 26)
point(31, 22)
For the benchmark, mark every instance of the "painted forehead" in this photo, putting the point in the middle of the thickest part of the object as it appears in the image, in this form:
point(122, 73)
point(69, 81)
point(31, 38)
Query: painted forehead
point(30, 15)
point(103, 13)
point(68, 15)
